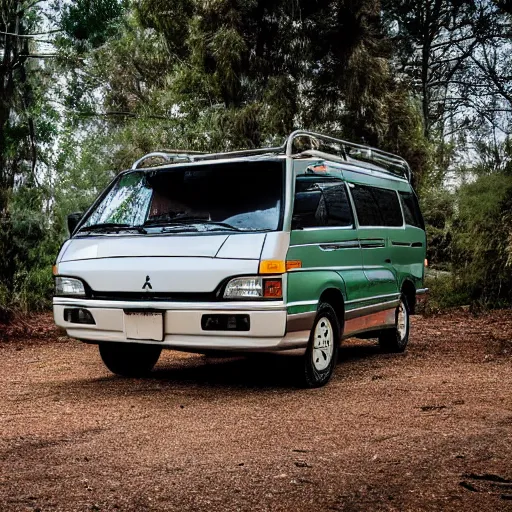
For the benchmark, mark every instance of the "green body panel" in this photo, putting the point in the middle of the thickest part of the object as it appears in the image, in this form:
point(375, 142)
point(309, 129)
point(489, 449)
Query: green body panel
point(309, 286)
point(377, 259)
point(368, 265)
point(409, 261)
point(312, 248)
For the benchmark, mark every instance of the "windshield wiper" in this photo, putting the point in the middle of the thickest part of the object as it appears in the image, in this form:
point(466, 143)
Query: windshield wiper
point(170, 226)
point(183, 221)
point(112, 226)
point(178, 218)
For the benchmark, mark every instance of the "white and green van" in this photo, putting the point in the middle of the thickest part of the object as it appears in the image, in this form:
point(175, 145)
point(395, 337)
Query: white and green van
point(288, 249)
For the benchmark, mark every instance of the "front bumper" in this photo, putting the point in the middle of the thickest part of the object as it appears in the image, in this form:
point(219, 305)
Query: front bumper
point(271, 328)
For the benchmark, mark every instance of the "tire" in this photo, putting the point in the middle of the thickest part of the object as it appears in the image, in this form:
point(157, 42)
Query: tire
point(319, 362)
point(129, 359)
point(395, 340)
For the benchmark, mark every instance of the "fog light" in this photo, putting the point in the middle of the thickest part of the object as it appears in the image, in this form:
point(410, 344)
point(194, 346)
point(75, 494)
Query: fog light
point(225, 323)
point(78, 316)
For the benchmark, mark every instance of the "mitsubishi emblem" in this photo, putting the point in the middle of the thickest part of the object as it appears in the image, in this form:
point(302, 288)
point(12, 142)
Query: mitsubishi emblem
point(147, 284)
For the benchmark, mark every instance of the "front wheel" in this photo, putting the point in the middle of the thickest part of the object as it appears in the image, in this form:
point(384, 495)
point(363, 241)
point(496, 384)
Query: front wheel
point(395, 340)
point(322, 351)
point(129, 359)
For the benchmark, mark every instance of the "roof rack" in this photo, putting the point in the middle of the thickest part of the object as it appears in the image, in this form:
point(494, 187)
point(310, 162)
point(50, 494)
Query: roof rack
point(303, 143)
point(174, 157)
point(357, 154)
point(171, 156)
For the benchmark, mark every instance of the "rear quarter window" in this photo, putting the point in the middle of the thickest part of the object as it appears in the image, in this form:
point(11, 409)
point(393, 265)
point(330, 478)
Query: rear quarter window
point(411, 210)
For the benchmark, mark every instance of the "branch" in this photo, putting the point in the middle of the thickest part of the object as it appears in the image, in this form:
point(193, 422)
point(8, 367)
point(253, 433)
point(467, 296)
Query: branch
point(33, 4)
point(31, 35)
point(449, 42)
point(39, 55)
point(447, 82)
point(493, 76)
point(122, 114)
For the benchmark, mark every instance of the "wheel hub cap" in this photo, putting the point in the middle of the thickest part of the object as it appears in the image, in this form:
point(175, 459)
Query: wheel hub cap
point(323, 344)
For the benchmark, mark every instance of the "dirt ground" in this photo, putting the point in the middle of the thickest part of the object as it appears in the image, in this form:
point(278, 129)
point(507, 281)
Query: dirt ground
point(430, 429)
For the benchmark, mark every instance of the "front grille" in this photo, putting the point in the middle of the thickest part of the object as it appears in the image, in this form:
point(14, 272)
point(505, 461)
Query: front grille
point(164, 297)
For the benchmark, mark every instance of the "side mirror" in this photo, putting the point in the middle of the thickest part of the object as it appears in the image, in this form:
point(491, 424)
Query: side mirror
point(73, 220)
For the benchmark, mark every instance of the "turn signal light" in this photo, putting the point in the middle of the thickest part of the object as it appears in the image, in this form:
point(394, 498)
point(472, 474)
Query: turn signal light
point(273, 289)
point(426, 262)
point(272, 267)
point(55, 270)
point(293, 264)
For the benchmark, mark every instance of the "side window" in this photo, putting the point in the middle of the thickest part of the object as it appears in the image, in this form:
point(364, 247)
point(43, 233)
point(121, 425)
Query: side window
point(377, 206)
point(389, 207)
point(368, 212)
point(411, 208)
point(321, 201)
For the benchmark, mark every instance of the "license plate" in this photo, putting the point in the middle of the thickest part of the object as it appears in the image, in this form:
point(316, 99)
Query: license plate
point(144, 325)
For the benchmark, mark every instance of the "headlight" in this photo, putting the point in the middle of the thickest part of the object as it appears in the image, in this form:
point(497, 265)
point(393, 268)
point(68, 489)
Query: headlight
point(254, 288)
point(69, 286)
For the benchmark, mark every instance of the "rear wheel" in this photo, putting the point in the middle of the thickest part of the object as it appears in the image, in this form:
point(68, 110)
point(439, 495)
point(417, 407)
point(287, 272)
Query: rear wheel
point(129, 359)
point(322, 352)
point(396, 339)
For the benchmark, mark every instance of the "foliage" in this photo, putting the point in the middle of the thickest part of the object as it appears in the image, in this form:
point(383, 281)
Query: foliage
point(482, 238)
point(445, 292)
point(245, 74)
point(469, 232)
point(109, 80)
point(438, 208)
point(90, 23)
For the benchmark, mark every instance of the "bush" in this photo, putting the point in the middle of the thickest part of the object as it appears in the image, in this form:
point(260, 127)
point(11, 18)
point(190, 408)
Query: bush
point(481, 239)
point(34, 289)
point(438, 207)
point(445, 291)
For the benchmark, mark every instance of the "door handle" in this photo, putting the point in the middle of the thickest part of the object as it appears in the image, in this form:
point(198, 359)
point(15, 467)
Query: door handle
point(388, 260)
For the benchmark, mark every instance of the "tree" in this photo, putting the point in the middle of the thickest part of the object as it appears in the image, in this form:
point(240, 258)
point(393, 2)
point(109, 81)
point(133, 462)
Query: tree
point(19, 102)
point(17, 20)
point(455, 54)
point(229, 74)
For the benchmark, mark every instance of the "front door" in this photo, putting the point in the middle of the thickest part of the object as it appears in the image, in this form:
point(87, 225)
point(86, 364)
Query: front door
point(323, 236)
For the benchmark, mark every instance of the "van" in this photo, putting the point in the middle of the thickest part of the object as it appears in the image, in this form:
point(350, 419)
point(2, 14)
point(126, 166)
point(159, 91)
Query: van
point(288, 249)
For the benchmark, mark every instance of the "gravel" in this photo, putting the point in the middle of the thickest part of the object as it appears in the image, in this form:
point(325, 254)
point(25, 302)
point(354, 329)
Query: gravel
point(430, 429)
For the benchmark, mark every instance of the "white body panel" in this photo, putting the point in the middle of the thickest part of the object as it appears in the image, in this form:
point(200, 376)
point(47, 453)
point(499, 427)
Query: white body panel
point(171, 275)
point(134, 246)
point(239, 246)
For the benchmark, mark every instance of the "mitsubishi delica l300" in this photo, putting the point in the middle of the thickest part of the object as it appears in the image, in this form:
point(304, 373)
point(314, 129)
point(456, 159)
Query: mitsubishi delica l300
point(279, 249)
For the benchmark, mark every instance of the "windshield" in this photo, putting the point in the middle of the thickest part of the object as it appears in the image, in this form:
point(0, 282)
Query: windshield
point(236, 196)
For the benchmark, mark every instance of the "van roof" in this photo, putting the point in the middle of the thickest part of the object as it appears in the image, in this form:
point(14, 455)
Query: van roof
point(299, 144)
